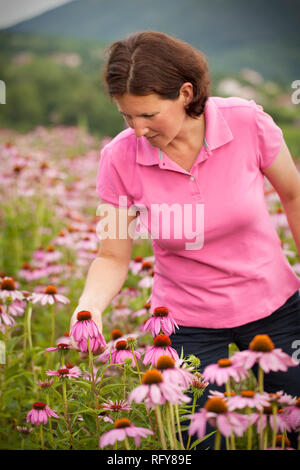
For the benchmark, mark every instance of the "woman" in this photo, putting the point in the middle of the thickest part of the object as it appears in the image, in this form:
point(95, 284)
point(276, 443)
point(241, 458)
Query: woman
point(190, 160)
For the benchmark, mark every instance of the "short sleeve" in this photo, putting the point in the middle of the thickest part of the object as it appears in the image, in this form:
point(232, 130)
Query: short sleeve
point(110, 187)
point(270, 137)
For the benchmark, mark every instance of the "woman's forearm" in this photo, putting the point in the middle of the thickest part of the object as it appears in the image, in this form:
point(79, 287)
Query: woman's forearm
point(105, 279)
point(292, 211)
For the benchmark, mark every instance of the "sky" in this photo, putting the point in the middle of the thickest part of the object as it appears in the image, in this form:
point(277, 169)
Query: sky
point(13, 11)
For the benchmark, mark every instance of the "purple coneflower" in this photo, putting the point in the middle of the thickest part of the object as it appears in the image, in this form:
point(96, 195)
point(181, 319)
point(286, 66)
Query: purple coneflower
point(141, 265)
point(120, 311)
point(223, 371)
point(161, 346)
point(160, 321)
point(198, 383)
point(24, 429)
point(45, 383)
point(262, 351)
point(120, 353)
point(27, 296)
point(73, 368)
point(116, 334)
point(49, 296)
point(123, 429)
point(174, 374)
point(293, 415)
point(27, 272)
point(86, 329)
point(48, 255)
point(17, 308)
point(5, 318)
point(146, 282)
point(281, 398)
point(142, 311)
point(247, 399)
point(281, 421)
point(59, 347)
point(64, 339)
point(8, 290)
point(135, 265)
point(40, 413)
point(156, 391)
point(63, 373)
point(63, 238)
point(119, 405)
point(282, 442)
point(217, 414)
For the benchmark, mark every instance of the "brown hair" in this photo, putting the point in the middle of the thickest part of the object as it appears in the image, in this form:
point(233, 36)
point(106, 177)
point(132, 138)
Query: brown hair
point(153, 62)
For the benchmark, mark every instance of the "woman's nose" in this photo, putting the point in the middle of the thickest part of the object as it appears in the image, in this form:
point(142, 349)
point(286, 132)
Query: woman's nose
point(140, 129)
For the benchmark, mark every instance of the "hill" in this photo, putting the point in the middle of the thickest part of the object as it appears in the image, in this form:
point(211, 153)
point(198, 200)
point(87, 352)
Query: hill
point(233, 34)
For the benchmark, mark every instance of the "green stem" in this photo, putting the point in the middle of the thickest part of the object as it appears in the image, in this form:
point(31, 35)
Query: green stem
point(260, 380)
point(29, 314)
point(261, 391)
point(124, 381)
point(283, 439)
point(171, 439)
point(274, 430)
point(52, 324)
point(173, 424)
point(249, 431)
point(217, 440)
point(67, 417)
point(42, 437)
point(178, 426)
point(192, 412)
point(160, 427)
point(127, 446)
point(29, 337)
point(62, 358)
point(137, 365)
point(266, 438)
point(260, 429)
point(50, 425)
point(25, 335)
point(94, 389)
point(228, 391)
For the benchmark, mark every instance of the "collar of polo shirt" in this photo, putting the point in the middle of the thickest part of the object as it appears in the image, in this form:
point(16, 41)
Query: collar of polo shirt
point(217, 133)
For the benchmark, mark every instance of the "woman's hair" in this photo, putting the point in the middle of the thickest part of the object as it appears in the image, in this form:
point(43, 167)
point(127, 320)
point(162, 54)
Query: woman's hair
point(153, 62)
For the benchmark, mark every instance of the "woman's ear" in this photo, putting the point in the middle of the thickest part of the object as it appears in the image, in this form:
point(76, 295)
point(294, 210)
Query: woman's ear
point(187, 93)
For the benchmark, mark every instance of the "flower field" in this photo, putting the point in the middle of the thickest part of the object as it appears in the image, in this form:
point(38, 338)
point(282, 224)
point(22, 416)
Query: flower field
point(127, 388)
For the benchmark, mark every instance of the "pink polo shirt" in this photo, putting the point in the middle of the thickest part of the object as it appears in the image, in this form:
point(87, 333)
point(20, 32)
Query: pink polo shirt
point(218, 258)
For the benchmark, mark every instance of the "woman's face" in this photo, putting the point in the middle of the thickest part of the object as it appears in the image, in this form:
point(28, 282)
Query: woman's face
point(159, 120)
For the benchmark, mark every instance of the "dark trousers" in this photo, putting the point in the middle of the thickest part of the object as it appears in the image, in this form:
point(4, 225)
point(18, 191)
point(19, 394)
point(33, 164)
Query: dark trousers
point(210, 345)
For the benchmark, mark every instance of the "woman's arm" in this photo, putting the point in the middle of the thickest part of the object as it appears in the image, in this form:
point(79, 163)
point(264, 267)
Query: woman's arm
point(285, 178)
point(107, 273)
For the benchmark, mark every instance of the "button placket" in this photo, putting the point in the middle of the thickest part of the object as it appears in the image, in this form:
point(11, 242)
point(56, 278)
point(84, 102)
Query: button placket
point(168, 164)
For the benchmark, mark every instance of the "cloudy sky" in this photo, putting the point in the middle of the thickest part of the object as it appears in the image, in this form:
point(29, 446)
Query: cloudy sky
point(13, 11)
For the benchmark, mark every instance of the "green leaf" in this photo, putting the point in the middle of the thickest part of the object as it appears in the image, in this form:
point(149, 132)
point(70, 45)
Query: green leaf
point(90, 422)
point(198, 441)
point(109, 388)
